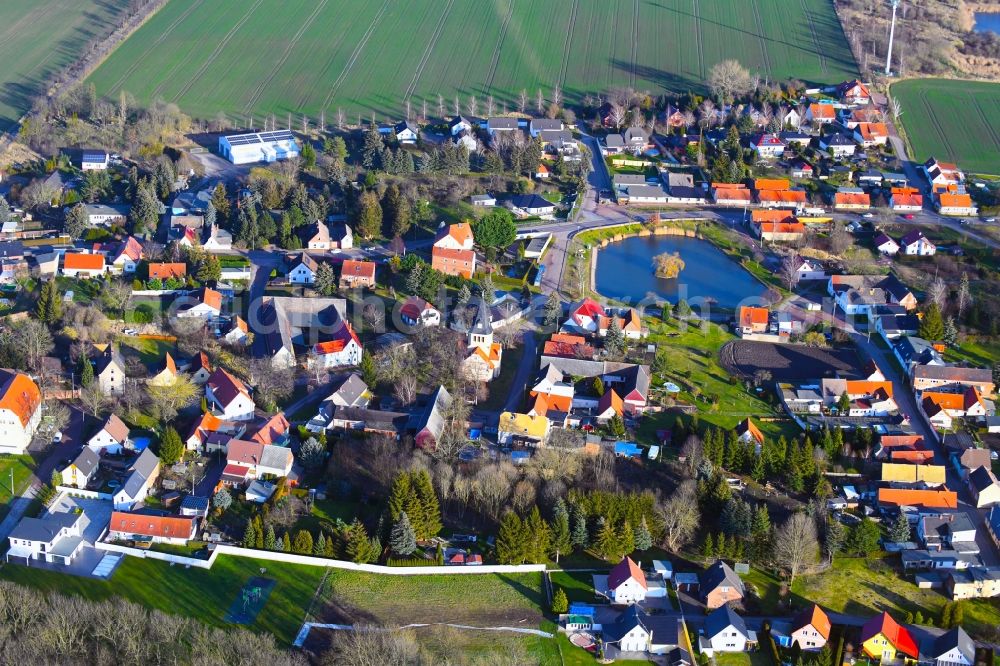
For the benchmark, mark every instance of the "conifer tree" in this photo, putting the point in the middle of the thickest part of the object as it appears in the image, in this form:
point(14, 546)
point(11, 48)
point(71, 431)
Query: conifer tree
point(560, 604)
point(721, 548)
point(626, 539)
point(900, 530)
point(398, 494)
point(286, 543)
point(48, 307)
point(538, 537)
point(258, 530)
point(319, 546)
point(511, 540)
point(86, 372)
point(414, 510)
point(429, 503)
point(643, 538)
point(329, 551)
point(607, 543)
point(708, 547)
point(249, 536)
point(359, 547)
point(561, 540)
point(269, 539)
point(946, 615)
point(579, 535)
point(303, 543)
point(403, 540)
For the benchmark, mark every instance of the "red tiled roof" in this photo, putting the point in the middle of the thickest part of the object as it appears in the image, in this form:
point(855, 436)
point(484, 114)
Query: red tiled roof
point(86, 262)
point(166, 271)
point(816, 617)
point(357, 268)
point(935, 499)
point(142, 524)
point(896, 634)
point(623, 571)
point(750, 315)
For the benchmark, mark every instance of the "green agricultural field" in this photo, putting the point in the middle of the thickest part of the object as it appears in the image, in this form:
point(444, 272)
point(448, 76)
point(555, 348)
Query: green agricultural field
point(38, 38)
point(310, 57)
point(952, 120)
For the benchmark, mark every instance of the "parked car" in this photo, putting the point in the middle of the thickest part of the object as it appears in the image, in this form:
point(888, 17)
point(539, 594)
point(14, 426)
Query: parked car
point(908, 216)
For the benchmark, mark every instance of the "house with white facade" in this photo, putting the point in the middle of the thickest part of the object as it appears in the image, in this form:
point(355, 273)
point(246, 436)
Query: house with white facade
point(725, 631)
point(229, 397)
point(344, 349)
point(141, 477)
point(127, 526)
point(111, 438)
point(627, 583)
point(79, 472)
point(302, 269)
point(20, 411)
point(57, 538)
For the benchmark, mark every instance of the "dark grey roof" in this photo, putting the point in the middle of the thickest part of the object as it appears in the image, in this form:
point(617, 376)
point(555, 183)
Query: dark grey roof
point(458, 120)
point(146, 463)
point(351, 388)
point(43, 529)
point(721, 619)
point(502, 123)
point(275, 456)
point(718, 574)
point(663, 628)
point(11, 249)
point(543, 124)
point(916, 350)
point(481, 319)
point(981, 478)
point(837, 139)
point(614, 141)
point(530, 201)
point(133, 484)
point(406, 125)
point(87, 461)
point(955, 638)
point(635, 134)
point(373, 419)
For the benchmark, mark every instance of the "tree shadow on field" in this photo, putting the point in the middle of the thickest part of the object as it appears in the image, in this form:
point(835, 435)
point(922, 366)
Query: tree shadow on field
point(669, 81)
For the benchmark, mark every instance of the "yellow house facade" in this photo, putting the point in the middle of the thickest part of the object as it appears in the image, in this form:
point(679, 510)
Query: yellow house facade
point(903, 473)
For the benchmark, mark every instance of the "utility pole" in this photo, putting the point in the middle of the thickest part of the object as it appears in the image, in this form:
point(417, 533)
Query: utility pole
point(892, 32)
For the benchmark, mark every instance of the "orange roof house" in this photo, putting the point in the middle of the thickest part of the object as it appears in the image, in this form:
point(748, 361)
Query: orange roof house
point(455, 236)
point(770, 215)
point(752, 320)
point(821, 113)
point(882, 632)
point(747, 431)
point(453, 262)
point(872, 133)
point(158, 528)
point(166, 271)
point(954, 203)
point(731, 193)
point(852, 200)
point(356, 273)
point(811, 628)
point(777, 184)
point(610, 401)
point(20, 395)
point(774, 197)
point(927, 499)
point(77, 262)
point(567, 346)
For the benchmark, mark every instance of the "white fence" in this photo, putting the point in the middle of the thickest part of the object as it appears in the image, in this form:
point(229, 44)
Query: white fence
point(86, 494)
point(309, 560)
point(158, 292)
point(156, 555)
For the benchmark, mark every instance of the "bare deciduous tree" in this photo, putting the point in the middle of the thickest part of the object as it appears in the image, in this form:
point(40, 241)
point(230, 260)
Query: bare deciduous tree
point(680, 517)
point(790, 271)
point(937, 292)
point(729, 79)
point(405, 389)
point(796, 545)
point(522, 100)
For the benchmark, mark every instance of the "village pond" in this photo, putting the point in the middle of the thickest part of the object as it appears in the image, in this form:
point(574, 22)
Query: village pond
point(625, 273)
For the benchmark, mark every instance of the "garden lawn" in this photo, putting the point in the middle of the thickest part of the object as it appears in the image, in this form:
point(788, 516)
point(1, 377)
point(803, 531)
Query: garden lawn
point(307, 58)
point(150, 351)
point(955, 121)
point(980, 354)
point(480, 599)
point(500, 387)
point(202, 594)
point(22, 467)
point(692, 362)
point(862, 587)
point(758, 658)
point(578, 585)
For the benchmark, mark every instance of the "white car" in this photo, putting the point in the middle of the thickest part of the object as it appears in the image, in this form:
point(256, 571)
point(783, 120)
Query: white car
point(57, 437)
point(868, 216)
point(130, 331)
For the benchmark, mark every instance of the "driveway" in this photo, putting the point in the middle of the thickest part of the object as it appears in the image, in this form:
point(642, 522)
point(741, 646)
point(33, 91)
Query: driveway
point(907, 402)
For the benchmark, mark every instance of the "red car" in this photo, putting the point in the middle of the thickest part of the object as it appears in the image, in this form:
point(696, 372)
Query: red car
point(908, 216)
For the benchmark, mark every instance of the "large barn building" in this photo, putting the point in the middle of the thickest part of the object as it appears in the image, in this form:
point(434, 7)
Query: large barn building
point(258, 147)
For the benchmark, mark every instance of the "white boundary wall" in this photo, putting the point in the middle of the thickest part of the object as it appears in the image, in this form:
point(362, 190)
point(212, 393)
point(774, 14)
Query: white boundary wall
point(308, 560)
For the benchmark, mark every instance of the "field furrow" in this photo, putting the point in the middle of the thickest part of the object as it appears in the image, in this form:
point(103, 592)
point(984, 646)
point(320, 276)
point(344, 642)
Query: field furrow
point(305, 57)
point(357, 51)
point(255, 95)
point(218, 49)
point(163, 38)
point(430, 49)
point(568, 42)
point(499, 46)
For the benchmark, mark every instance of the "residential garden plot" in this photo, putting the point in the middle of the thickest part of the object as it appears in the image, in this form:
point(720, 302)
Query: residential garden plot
point(37, 39)
point(480, 600)
point(957, 121)
point(250, 600)
point(788, 363)
point(252, 58)
point(202, 594)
